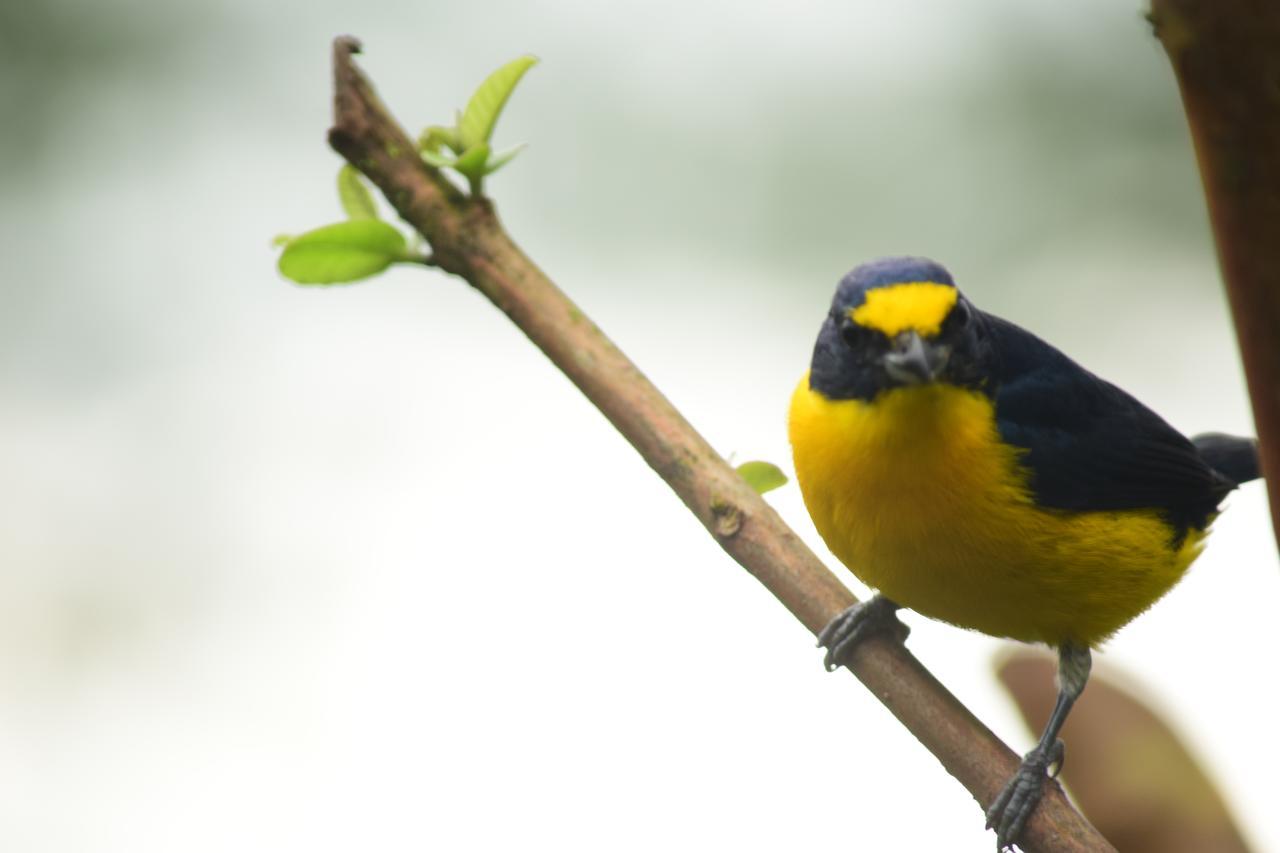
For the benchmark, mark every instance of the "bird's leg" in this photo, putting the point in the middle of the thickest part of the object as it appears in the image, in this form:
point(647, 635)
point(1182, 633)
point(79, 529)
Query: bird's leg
point(1009, 813)
point(876, 615)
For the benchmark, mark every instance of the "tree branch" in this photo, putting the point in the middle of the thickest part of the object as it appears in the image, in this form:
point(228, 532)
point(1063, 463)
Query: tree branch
point(1226, 56)
point(467, 239)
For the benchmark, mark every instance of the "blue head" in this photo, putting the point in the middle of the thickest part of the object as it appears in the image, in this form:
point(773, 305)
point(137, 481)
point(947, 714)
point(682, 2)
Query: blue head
point(896, 322)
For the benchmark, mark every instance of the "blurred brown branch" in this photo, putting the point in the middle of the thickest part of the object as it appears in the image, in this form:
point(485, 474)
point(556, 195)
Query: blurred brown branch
point(1226, 56)
point(468, 240)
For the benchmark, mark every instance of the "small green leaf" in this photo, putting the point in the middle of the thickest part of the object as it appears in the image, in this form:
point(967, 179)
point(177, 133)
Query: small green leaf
point(472, 162)
point(440, 161)
point(435, 138)
point(497, 161)
point(281, 240)
point(356, 199)
point(762, 476)
point(347, 251)
point(481, 114)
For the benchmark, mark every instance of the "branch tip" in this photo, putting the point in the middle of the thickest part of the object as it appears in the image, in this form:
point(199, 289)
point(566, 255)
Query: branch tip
point(345, 46)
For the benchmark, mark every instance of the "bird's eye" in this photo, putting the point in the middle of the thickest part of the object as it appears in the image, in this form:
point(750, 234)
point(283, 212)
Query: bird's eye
point(849, 333)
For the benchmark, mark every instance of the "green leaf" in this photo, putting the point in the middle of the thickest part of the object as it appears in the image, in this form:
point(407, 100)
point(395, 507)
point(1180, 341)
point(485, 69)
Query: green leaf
point(440, 161)
point(472, 162)
point(356, 199)
point(347, 251)
point(762, 476)
point(497, 161)
point(435, 138)
point(481, 114)
point(281, 240)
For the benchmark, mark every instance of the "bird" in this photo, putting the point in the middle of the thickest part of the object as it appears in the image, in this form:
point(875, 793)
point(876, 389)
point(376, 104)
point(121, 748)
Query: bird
point(965, 469)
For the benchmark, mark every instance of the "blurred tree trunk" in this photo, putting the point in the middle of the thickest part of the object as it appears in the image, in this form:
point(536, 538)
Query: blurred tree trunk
point(1226, 56)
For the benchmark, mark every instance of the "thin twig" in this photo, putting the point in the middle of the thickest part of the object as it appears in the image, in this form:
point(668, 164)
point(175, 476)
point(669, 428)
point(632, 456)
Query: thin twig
point(467, 239)
point(1226, 56)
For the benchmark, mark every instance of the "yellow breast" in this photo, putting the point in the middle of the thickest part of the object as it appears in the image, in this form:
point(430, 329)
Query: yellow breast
point(916, 493)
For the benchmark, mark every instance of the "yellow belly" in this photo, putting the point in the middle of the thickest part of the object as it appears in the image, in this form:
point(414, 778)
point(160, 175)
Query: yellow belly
point(918, 496)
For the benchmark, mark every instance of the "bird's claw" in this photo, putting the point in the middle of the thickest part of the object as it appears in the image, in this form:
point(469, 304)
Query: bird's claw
point(1020, 796)
point(876, 615)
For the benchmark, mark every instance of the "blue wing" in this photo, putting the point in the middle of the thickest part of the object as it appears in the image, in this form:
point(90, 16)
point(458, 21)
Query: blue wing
point(1089, 445)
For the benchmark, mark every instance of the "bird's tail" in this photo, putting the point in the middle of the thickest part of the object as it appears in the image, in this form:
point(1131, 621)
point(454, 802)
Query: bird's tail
point(1233, 457)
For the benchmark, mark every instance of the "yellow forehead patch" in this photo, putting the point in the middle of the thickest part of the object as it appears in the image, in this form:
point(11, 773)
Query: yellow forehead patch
point(919, 305)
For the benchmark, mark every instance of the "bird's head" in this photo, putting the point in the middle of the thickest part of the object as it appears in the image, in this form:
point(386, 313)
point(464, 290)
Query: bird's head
point(898, 322)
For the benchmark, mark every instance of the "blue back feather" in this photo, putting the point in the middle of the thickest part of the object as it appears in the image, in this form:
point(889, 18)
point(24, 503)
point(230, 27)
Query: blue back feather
point(1090, 445)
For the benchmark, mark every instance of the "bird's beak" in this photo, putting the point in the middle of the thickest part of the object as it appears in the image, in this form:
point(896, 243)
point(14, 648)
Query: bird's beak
point(914, 360)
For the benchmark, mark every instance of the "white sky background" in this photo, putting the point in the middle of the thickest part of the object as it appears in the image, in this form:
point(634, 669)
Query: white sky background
point(287, 569)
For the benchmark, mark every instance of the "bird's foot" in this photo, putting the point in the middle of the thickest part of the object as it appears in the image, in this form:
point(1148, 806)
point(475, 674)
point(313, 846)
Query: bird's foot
point(1009, 813)
point(876, 615)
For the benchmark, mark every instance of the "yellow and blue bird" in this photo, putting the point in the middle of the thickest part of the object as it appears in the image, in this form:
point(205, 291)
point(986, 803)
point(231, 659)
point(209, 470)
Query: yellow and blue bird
point(967, 470)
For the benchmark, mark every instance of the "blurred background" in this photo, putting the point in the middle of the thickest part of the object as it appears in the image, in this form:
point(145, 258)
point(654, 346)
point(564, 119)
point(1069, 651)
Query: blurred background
point(356, 568)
